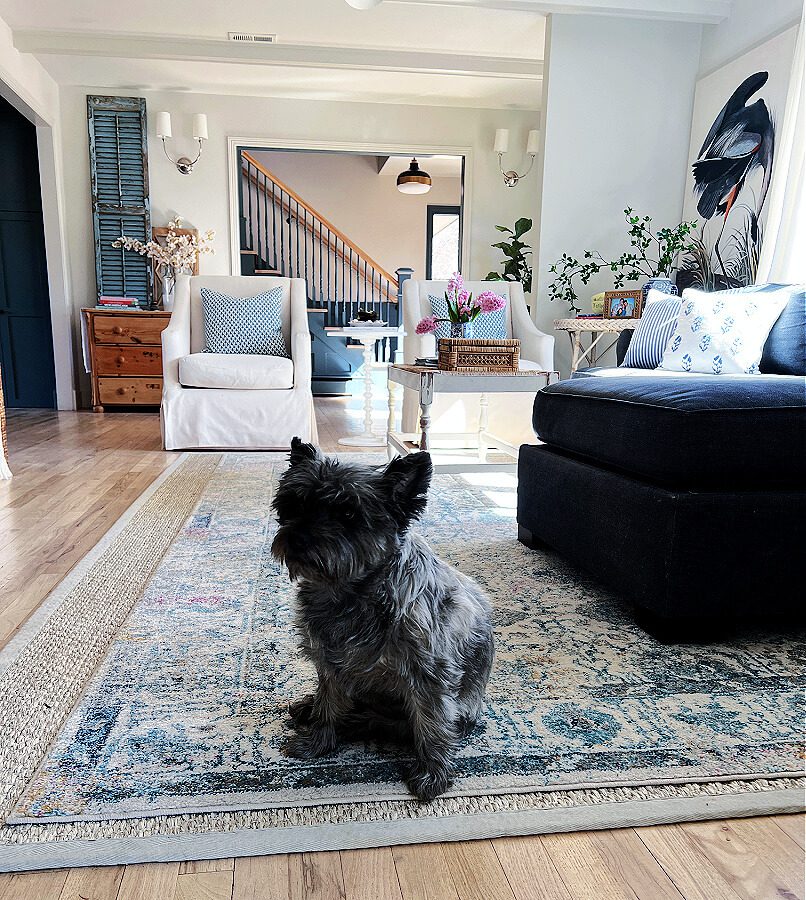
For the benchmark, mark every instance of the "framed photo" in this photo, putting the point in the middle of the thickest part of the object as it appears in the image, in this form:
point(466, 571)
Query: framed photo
point(623, 304)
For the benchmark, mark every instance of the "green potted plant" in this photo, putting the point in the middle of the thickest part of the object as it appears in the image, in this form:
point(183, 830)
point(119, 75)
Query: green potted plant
point(516, 255)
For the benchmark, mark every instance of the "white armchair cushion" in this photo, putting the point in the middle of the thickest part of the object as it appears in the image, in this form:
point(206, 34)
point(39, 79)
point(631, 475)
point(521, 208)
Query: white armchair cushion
point(236, 370)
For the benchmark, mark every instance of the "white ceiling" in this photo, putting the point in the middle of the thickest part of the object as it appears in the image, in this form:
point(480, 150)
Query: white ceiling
point(480, 53)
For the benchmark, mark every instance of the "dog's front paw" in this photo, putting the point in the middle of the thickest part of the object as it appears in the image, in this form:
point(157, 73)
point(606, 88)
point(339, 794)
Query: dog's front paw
point(426, 784)
point(311, 744)
point(301, 711)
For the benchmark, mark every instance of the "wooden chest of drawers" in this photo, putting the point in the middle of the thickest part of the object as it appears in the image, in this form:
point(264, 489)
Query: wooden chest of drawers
point(125, 356)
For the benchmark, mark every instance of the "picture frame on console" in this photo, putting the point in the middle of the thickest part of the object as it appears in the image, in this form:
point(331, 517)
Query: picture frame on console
point(622, 304)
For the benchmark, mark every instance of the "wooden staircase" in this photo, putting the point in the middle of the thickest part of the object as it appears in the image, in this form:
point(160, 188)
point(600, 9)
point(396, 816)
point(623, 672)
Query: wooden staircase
point(281, 234)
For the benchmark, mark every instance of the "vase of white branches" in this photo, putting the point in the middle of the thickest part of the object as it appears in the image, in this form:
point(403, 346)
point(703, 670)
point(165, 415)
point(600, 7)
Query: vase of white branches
point(178, 253)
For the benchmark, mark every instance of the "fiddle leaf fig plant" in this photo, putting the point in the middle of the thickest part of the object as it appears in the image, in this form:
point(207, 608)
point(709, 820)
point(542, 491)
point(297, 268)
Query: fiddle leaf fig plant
point(653, 254)
point(516, 255)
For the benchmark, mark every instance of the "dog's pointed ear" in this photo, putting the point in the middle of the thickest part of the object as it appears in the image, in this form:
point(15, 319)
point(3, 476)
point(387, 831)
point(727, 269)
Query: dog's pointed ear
point(302, 452)
point(406, 479)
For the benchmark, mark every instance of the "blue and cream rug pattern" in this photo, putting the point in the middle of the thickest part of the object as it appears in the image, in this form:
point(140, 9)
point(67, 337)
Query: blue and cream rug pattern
point(187, 711)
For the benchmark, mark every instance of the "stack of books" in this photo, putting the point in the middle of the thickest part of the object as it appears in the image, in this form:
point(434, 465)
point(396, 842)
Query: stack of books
point(118, 303)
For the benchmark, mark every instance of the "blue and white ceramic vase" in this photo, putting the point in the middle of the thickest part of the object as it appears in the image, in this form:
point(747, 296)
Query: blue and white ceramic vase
point(462, 329)
point(664, 285)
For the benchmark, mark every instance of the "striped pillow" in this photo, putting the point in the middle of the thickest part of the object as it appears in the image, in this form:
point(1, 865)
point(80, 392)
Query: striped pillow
point(655, 329)
point(244, 324)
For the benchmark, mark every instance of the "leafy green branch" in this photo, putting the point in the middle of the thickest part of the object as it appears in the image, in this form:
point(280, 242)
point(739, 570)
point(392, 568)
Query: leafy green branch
point(516, 252)
point(654, 254)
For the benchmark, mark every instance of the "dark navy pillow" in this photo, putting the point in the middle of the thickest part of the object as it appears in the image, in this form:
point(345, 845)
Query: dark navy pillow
point(785, 349)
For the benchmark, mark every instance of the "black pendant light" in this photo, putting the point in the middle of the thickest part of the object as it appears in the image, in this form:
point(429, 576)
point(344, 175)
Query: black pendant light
point(414, 180)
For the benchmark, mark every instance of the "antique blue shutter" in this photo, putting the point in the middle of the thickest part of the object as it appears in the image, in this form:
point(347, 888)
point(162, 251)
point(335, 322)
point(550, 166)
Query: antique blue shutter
point(120, 202)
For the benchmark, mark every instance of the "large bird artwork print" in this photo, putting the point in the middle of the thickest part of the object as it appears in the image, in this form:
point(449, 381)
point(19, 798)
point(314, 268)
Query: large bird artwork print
point(740, 142)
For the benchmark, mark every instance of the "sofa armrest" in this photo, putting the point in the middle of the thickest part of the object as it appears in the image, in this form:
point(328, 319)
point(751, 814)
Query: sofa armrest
point(176, 337)
point(300, 334)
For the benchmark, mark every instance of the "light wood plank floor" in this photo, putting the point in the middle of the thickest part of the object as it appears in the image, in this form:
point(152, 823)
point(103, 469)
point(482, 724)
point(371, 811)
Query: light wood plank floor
point(75, 473)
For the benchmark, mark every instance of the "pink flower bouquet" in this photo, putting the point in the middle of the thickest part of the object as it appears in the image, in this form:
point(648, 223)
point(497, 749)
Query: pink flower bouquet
point(463, 307)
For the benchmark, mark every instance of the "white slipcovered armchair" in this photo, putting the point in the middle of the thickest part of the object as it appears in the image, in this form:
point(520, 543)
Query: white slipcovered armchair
point(510, 415)
point(213, 400)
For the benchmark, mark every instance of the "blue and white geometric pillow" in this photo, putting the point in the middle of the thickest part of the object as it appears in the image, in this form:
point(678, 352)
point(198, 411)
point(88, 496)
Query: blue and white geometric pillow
point(722, 334)
point(654, 331)
point(492, 326)
point(244, 324)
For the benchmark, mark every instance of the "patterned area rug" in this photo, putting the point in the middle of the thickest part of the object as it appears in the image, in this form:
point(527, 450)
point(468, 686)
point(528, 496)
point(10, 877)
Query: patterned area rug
point(181, 724)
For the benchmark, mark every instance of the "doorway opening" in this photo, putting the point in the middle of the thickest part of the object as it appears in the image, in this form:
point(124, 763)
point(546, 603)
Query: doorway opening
point(26, 336)
point(443, 242)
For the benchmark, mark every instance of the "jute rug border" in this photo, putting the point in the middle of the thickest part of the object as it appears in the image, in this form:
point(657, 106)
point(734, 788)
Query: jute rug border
point(46, 667)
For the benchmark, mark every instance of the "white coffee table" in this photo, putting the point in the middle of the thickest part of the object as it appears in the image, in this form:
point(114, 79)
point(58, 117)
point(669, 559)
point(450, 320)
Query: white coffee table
point(429, 382)
point(368, 337)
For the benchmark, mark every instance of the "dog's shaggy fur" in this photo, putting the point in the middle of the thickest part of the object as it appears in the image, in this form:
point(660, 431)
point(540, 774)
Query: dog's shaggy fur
point(402, 642)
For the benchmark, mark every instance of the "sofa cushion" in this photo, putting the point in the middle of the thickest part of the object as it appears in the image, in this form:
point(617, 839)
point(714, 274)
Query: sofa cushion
point(733, 432)
point(785, 349)
point(236, 370)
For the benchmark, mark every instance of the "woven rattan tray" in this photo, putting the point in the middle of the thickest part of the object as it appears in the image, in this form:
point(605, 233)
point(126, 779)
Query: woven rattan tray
point(478, 355)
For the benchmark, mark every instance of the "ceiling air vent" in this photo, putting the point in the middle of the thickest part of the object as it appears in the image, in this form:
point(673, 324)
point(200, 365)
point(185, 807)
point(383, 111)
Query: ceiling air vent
point(243, 38)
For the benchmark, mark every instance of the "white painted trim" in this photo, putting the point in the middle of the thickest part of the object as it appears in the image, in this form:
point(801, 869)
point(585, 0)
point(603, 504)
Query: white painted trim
point(379, 148)
point(710, 12)
point(61, 307)
point(321, 56)
point(307, 838)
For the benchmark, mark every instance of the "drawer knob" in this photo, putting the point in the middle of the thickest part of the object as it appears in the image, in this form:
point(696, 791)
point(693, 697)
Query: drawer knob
point(117, 330)
point(123, 390)
point(121, 359)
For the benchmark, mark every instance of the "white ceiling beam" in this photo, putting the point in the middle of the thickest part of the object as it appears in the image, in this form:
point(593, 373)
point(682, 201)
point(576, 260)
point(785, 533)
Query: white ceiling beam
point(709, 12)
point(121, 46)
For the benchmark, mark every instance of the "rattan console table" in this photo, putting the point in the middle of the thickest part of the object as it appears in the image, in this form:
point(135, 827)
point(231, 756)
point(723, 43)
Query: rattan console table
point(601, 328)
point(428, 382)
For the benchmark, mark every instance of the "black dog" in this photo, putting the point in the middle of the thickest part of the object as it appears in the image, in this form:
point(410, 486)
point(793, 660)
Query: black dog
point(402, 642)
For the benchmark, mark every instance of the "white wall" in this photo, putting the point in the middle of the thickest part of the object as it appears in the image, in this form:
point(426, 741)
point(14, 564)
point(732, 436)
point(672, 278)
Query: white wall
point(347, 189)
point(750, 23)
point(618, 101)
point(202, 199)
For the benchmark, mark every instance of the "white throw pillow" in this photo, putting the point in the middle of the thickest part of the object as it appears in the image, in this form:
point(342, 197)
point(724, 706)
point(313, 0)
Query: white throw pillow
point(722, 334)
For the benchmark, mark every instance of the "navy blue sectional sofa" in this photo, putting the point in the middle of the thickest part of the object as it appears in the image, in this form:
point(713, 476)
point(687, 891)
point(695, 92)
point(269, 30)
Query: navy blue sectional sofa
point(686, 494)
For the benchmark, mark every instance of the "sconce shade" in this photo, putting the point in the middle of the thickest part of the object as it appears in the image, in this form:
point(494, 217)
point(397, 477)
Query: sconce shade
point(501, 140)
point(414, 180)
point(363, 4)
point(164, 125)
point(200, 126)
point(533, 144)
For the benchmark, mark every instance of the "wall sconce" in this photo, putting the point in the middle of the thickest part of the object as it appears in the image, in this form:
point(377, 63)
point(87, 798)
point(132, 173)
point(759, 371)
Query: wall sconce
point(511, 178)
point(183, 164)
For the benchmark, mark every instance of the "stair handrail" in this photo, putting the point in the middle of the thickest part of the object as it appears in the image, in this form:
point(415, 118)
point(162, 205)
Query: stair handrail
point(363, 256)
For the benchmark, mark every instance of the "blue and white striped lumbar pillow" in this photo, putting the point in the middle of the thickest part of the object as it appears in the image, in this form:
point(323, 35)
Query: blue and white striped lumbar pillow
point(655, 329)
point(244, 324)
point(492, 326)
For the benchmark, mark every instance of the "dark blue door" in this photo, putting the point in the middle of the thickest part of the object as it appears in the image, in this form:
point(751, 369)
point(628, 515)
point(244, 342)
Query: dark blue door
point(26, 341)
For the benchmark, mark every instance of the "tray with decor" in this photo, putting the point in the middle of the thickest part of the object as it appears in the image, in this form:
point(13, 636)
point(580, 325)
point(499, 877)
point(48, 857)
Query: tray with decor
point(478, 355)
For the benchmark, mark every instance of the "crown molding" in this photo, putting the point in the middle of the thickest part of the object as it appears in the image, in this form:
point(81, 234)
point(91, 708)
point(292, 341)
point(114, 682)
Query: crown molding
point(707, 12)
point(123, 46)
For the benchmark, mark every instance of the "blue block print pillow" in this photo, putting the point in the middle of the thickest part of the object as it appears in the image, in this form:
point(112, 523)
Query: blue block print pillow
point(244, 324)
point(492, 326)
point(722, 333)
